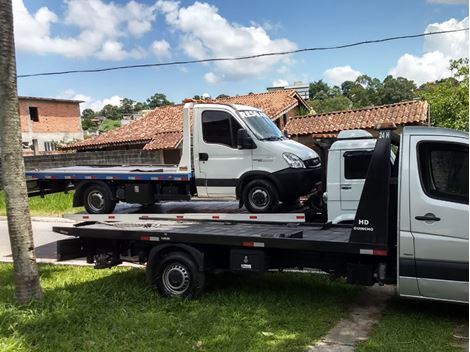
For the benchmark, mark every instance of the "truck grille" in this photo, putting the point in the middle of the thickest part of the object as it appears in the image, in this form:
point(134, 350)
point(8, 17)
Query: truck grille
point(311, 163)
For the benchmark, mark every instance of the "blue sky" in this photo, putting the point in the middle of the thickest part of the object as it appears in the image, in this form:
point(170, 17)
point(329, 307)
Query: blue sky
point(77, 34)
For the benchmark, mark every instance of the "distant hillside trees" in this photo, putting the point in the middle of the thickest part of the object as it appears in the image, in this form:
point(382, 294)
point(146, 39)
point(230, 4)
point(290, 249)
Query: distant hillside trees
point(448, 98)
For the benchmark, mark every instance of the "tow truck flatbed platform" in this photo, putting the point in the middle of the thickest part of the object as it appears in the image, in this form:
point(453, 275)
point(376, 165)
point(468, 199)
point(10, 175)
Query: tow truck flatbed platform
point(131, 172)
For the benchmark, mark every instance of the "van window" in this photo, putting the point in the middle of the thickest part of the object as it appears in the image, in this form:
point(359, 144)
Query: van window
point(443, 169)
point(219, 127)
point(356, 164)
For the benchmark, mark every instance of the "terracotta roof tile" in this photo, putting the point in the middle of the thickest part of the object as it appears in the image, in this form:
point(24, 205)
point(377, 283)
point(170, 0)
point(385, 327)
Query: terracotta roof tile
point(162, 127)
point(328, 123)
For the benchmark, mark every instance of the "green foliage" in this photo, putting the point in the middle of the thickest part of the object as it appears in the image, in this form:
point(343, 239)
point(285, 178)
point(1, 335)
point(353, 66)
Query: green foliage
point(336, 103)
point(55, 204)
point(115, 310)
point(108, 125)
point(448, 98)
point(127, 106)
point(222, 96)
point(111, 112)
point(395, 90)
point(156, 100)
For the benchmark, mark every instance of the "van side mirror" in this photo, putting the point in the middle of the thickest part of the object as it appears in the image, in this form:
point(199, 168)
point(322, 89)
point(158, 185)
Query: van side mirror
point(244, 141)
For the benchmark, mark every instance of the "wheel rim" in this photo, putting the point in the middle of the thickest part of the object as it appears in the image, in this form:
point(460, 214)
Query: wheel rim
point(95, 200)
point(176, 279)
point(259, 198)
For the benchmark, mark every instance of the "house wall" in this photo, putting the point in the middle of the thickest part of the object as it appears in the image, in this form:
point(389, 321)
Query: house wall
point(57, 121)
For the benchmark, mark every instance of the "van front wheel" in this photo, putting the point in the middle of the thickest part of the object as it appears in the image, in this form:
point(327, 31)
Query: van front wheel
point(260, 196)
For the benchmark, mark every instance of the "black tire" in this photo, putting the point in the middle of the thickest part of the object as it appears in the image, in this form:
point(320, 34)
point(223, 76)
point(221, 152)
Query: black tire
point(260, 196)
point(176, 275)
point(98, 199)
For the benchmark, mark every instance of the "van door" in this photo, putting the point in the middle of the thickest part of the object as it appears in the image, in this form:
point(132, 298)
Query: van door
point(439, 215)
point(354, 167)
point(221, 163)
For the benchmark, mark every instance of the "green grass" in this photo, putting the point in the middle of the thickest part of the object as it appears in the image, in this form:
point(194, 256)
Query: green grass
point(115, 310)
point(55, 204)
point(417, 326)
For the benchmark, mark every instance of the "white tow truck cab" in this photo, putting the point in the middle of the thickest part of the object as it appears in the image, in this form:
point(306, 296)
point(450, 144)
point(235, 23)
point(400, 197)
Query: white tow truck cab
point(228, 151)
point(348, 161)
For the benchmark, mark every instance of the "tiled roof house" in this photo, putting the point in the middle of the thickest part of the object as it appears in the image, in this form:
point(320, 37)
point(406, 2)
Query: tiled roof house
point(328, 125)
point(162, 128)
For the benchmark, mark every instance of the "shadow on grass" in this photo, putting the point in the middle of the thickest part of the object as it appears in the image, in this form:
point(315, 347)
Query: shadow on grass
point(115, 310)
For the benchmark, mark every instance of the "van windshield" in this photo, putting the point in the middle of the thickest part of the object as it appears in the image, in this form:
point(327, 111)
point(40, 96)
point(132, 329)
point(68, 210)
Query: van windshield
point(261, 125)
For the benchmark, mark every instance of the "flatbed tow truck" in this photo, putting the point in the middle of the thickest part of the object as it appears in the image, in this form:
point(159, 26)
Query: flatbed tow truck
point(410, 229)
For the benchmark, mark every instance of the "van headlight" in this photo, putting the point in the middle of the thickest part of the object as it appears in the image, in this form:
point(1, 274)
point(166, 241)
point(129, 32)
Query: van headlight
point(293, 161)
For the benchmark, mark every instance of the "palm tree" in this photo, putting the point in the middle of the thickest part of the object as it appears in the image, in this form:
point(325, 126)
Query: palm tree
point(27, 286)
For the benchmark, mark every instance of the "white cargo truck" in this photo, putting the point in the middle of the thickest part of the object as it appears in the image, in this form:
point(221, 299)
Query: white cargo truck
point(228, 151)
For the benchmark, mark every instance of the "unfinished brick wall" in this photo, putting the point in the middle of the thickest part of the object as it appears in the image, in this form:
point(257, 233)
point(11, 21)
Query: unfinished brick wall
point(54, 116)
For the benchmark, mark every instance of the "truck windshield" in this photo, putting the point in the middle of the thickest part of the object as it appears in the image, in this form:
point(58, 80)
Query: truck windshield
point(261, 125)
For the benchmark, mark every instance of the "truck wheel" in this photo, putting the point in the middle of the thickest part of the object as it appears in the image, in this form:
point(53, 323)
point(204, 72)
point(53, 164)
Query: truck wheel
point(98, 199)
point(176, 275)
point(260, 196)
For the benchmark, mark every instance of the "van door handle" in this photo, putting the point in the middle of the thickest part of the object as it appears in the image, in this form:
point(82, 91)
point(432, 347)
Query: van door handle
point(427, 217)
point(203, 156)
point(345, 186)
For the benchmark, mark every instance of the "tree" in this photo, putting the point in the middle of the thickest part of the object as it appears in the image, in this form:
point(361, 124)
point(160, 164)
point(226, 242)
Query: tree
point(337, 103)
point(27, 285)
point(139, 106)
point(87, 120)
point(318, 90)
point(223, 96)
point(158, 99)
point(127, 106)
point(111, 112)
point(448, 98)
point(394, 90)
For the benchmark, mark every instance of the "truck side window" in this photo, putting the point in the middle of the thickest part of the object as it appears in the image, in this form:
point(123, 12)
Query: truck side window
point(356, 164)
point(219, 127)
point(443, 169)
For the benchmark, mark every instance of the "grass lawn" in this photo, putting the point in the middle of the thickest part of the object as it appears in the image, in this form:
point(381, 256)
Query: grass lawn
point(55, 204)
point(417, 326)
point(115, 310)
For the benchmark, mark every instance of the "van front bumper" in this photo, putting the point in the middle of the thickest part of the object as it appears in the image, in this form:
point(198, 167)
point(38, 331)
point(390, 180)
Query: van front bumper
point(293, 183)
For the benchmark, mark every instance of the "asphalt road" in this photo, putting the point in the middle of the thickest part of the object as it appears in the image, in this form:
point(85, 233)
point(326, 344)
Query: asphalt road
point(44, 238)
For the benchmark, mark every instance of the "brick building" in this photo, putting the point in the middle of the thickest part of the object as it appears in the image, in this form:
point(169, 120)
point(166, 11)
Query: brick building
point(49, 121)
point(161, 129)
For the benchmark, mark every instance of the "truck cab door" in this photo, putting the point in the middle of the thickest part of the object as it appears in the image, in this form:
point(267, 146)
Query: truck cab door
point(438, 189)
point(220, 162)
point(354, 165)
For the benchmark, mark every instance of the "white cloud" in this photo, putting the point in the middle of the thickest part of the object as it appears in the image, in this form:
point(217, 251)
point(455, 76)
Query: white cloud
point(337, 75)
point(205, 33)
point(101, 28)
point(448, 1)
point(280, 83)
point(438, 51)
point(161, 49)
point(89, 103)
point(451, 44)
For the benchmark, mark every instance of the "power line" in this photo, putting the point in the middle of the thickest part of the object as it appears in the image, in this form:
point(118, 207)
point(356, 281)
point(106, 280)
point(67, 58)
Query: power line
point(279, 53)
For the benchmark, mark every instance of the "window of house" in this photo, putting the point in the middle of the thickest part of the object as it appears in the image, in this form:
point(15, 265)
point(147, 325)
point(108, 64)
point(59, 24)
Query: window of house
point(219, 127)
point(34, 113)
point(443, 169)
point(356, 164)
